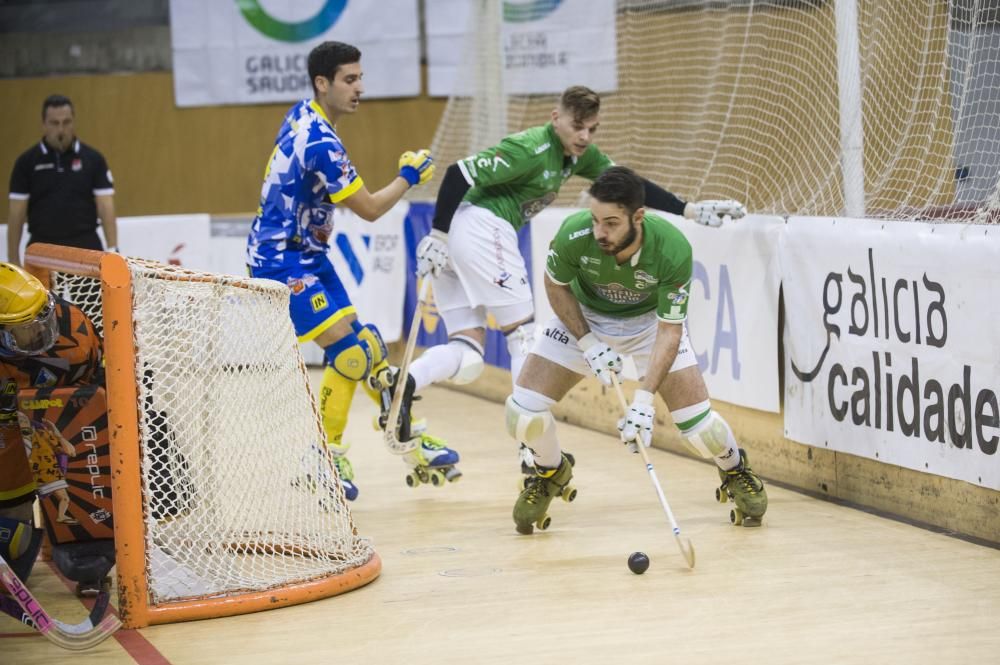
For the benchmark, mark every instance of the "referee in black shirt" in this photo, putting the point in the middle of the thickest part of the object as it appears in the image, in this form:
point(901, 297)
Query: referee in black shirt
point(61, 187)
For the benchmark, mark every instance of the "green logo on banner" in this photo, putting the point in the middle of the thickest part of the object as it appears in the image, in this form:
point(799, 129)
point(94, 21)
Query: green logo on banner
point(292, 32)
point(521, 12)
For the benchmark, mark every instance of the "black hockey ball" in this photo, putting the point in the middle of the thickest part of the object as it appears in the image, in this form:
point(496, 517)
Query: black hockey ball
point(638, 563)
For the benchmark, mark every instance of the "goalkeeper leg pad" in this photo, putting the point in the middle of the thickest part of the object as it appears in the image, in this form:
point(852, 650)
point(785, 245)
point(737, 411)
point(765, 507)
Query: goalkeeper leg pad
point(19, 545)
point(350, 357)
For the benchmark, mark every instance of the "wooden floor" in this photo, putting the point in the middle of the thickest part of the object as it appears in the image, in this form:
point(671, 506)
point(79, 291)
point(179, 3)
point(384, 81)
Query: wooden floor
point(819, 583)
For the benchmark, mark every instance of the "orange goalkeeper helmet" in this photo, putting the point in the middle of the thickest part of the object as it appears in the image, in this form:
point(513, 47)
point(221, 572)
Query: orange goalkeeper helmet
point(28, 323)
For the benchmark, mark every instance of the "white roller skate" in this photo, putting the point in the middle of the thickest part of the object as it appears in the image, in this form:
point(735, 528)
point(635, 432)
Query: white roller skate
point(432, 461)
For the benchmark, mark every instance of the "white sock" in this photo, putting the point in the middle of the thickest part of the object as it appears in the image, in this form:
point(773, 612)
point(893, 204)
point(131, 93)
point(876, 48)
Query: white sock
point(438, 363)
point(729, 458)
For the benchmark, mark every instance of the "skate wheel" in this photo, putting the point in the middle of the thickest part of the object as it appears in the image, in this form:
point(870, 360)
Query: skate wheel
point(721, 495)
point(436, 478)
point(544, 523)
point(524, 529)
point(752, 521)
point(453, 475)
point(412, 479)
point(736, 517)
point(569, 494)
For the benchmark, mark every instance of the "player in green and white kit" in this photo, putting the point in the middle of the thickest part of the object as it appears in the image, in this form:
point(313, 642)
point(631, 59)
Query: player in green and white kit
point(617, 278)
point(472, 253)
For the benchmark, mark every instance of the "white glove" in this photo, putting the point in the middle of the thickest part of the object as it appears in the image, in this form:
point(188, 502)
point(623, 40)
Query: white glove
point(637, 425)
point(602, 358)
point(711, 213)
point(432, 253)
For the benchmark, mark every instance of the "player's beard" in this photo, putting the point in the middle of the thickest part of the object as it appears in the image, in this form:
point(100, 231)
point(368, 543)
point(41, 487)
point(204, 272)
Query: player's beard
point(611, 250)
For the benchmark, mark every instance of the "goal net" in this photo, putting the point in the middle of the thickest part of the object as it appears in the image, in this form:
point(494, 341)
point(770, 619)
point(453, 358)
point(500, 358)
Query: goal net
point(809, 107)
point(224, 498)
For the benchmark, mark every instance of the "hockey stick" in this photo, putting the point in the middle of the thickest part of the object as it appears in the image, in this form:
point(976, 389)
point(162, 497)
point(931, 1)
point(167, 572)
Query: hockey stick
point(389, 434)
point(685, 546)
point(74, 637)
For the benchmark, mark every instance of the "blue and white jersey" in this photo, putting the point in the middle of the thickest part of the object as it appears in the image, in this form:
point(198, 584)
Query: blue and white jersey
point(308, 172)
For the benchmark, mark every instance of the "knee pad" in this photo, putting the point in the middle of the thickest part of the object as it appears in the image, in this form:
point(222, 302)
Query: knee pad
point(369, 334)
point(710, 437)
point(527, 424)
point(19, 545)
point(349, 357)
point(471, 364)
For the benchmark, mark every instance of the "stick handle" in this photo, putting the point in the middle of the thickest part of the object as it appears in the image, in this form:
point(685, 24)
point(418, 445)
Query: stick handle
point(404, 370)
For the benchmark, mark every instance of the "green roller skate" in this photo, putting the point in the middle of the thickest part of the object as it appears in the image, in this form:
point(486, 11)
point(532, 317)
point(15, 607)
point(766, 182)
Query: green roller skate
point(746, 490)
point(539, 488)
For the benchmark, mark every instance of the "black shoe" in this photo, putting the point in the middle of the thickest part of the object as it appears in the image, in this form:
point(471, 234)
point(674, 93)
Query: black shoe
point(403, 432)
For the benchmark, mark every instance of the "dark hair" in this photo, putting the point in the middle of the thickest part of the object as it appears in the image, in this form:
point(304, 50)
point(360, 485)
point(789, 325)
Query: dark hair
point(55, 101)
point(621, 185)
point(326, 59)
point(581, 101)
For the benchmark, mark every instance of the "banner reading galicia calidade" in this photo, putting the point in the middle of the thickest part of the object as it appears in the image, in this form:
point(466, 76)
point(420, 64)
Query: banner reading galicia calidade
point(255, 51)
point(891, 343)
point(544, 46)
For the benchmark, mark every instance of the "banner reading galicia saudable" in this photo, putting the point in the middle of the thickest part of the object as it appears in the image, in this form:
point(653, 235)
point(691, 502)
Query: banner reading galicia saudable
point(545, 46)
point(255, 51)
point(891, 343)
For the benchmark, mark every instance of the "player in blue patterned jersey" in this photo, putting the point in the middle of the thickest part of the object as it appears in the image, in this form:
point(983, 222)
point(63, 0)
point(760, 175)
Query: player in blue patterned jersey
point(307, 175)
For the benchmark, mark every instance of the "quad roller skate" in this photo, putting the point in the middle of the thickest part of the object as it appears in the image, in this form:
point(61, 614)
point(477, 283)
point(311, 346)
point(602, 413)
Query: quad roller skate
point(528, 464)
point(317, 479)
point(433, 462)
point(744, 488)
point(539, 488)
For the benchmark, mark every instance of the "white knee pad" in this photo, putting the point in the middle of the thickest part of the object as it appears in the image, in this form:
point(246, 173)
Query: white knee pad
point(527, 425)
point(471, 364)
point(710, 437)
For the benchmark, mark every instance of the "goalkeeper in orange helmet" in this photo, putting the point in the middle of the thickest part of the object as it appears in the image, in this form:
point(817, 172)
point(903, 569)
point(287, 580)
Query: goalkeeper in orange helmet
point(44, 342)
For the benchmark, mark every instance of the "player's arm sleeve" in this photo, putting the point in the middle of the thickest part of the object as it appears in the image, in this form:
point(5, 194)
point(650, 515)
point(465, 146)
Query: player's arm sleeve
point(20, 182)
point(503, 163)
point(102, 178)
point(673, 293)
point(329, 159)
point(561, 265)
point(450, 195)
point(660, 199)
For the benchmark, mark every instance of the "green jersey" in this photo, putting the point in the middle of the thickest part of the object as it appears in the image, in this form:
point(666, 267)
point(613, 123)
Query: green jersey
point(658, 276)
point(519, 177)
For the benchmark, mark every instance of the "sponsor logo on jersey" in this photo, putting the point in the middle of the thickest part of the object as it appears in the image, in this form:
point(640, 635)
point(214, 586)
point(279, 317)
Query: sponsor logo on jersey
point(44, 379)
point(579, 234)
point(77, 164)
point(319, 302)
point(502, 280)
point(298, 285)
point(542, 148)
point(42, 167)
point(680, 297)
point(619, 294)
point(32, 404)
point(644, 276)
point(531, 208)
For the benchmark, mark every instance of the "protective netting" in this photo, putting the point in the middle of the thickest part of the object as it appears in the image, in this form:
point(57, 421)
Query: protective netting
point(809, 107)
point(238, 492)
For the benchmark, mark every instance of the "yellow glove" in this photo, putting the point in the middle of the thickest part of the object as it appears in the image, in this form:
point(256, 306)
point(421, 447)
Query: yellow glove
point(416, 167)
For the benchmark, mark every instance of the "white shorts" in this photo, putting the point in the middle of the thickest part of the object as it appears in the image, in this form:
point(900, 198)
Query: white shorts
point(632, 336)
point(485, 273)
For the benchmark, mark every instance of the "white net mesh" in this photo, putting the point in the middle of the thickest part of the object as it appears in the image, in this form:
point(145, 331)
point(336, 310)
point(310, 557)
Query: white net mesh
point(810, 107)
point(238, 492)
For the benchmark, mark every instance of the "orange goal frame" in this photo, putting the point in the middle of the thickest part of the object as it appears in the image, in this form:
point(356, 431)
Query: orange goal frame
point(127, 499)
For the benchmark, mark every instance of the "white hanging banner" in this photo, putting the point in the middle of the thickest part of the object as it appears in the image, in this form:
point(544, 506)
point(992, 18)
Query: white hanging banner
point(733, 310)
point(891, 342)
point(545, 46)
point(256, 51)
